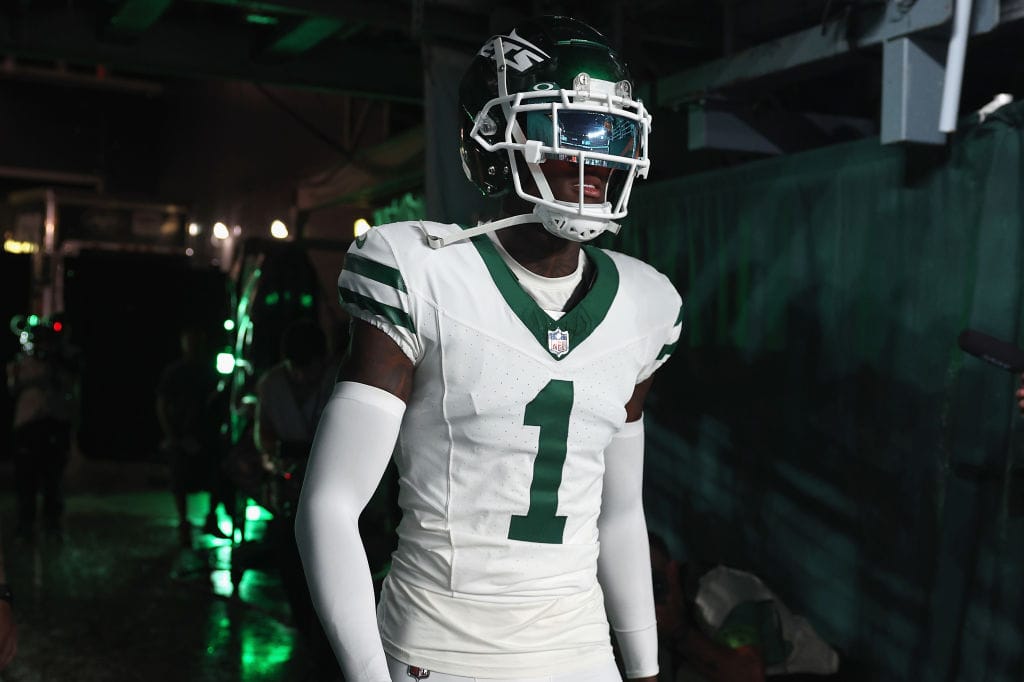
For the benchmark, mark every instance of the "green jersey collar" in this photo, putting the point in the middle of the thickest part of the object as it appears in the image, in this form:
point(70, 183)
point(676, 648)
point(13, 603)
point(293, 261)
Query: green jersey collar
point(558, 337)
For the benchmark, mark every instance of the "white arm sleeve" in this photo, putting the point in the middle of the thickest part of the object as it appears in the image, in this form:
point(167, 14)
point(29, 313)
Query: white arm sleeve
point(624, 563)
point(353, 445)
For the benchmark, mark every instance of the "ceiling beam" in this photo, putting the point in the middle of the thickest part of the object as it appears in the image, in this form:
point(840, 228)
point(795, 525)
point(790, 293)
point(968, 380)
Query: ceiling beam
point(308, 34)
point(218, 52)
point(71, 78)
point(135, 16)
point(831, 40)
point(738, 126)
point(438, 21)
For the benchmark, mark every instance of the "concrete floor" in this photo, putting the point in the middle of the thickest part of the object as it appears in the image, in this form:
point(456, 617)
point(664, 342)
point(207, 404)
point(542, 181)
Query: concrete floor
point(119, 599)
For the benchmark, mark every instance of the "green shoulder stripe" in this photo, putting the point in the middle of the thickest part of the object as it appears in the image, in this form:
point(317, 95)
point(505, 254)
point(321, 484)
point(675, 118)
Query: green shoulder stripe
point(667, 350)
point(378, 272)
point(670, 348)
point(392, 314)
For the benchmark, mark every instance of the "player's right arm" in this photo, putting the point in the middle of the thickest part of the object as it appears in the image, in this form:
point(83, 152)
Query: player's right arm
point(354, 441)
point(353, 445)
point(375, 360)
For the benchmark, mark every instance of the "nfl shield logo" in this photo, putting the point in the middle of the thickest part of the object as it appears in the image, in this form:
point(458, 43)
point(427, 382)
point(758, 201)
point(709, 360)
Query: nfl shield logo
point(558, 343)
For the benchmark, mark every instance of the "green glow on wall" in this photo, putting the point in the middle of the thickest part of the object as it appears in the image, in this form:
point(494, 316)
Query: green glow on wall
point(261, 19)
point(407, 207)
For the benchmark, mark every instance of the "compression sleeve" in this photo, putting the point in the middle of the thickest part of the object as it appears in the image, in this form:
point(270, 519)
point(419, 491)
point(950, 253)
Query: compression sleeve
point(353, 445)
point(624, 562)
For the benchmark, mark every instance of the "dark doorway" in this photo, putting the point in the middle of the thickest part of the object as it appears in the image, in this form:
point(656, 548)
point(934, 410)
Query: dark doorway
point(125, 312)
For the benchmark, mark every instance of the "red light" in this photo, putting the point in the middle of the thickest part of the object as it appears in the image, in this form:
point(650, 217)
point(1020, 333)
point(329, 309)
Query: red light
point(287, 475)
point(57, 326)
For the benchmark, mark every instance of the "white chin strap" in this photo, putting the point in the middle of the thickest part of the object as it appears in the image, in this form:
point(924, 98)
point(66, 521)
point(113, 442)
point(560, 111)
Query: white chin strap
point(568, 224)
point(571, 224)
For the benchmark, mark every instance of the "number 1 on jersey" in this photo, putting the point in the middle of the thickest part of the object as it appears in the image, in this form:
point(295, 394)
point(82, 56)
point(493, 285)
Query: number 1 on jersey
point(550, 411)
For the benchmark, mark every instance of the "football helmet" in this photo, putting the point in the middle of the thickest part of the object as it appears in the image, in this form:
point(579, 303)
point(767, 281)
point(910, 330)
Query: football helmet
point(553, 89)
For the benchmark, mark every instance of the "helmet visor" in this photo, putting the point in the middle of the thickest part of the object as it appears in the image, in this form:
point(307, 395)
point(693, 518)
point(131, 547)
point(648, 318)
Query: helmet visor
point(585, 131)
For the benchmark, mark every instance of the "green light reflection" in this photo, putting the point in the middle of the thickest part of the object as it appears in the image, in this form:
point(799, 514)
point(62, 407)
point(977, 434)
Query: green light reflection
point(254, 512)
point(263, 647)
point(218, 634)
point(261, 655)
point(220, 580)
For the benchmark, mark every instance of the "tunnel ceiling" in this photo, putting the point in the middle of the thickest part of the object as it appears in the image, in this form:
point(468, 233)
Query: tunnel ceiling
point(366, 48)
point(770, 63)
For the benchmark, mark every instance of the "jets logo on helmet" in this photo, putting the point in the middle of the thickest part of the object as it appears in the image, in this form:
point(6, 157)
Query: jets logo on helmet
point(520, 54)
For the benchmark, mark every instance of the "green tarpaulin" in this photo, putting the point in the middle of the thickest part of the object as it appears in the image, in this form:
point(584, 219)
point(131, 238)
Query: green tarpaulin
point(818, 425)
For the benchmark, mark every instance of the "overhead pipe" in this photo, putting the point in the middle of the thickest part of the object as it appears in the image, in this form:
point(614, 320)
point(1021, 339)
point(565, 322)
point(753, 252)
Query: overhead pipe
point(955, 58)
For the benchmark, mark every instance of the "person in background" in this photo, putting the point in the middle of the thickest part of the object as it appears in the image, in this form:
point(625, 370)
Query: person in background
point(44, 386)
point(511, 369)
point(290, 397)
point(8, 629)
point(185, 390)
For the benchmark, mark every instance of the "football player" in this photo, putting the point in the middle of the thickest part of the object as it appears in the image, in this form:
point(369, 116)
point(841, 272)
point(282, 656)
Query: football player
point(510, 369)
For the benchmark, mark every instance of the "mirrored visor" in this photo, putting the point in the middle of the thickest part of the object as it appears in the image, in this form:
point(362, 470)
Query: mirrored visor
point(585, 131)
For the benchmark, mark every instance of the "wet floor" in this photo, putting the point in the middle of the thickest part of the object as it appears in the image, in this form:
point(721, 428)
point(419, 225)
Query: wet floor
point(119, 599)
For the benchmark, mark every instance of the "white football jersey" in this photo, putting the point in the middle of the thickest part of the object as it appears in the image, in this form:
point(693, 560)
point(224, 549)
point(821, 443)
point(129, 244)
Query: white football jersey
point(501, 451)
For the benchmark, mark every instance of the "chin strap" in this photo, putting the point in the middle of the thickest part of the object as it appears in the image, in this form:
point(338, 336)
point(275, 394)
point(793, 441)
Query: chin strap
point(553, 221)
point(439, 241)
point(574, 226)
